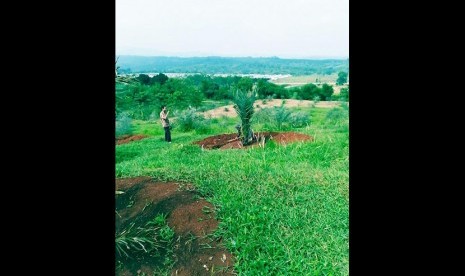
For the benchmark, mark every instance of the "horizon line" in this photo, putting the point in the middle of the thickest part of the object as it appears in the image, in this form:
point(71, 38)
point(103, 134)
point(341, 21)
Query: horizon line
point(219, 56)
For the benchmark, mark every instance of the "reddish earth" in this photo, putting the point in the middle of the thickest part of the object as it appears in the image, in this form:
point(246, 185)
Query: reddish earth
point(128, 138)
point(230, 141)
point(191, 217)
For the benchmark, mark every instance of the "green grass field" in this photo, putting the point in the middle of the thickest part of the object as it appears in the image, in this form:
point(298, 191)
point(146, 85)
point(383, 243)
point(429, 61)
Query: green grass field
point(283, 210)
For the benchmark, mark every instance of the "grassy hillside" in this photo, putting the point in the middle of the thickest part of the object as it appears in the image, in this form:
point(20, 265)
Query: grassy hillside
point(283, 210)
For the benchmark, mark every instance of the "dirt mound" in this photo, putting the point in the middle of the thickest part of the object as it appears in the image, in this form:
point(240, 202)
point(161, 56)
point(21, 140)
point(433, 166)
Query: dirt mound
point(191, 217)
point(230, 141)
point(129, 138)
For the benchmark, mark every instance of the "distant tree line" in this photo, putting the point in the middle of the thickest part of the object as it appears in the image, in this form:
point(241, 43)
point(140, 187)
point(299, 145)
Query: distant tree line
point(247, 65)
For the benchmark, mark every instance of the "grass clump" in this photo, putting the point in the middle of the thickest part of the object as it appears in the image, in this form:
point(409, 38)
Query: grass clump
point(150, 241)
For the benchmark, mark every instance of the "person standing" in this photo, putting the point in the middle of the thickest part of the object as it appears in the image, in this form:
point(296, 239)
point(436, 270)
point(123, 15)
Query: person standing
point(166, 123)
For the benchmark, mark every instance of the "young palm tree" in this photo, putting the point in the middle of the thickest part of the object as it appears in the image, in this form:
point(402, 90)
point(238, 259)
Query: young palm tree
point(243, 105)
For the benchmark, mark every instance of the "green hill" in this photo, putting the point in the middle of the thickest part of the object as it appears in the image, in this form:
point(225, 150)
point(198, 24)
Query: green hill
point(231, 65)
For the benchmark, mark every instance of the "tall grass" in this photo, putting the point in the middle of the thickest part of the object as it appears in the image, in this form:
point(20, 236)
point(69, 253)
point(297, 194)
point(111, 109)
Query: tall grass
point(133, 241)
point(283, 209)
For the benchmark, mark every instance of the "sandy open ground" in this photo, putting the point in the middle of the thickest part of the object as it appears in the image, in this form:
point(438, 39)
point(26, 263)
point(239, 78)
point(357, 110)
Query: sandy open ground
point(228, 110)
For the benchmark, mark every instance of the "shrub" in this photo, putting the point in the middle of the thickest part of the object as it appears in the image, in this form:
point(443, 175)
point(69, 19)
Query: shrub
point(295, 96)
point(281, 115)
point(154, 116)
point(299, 119)
point(326, 92)
point(189, 119)
point(123, 124)
point(279, 118)
point(341, 78)
point(344, 106)
point(263, 116)
point(336, 114)
point(344, 94)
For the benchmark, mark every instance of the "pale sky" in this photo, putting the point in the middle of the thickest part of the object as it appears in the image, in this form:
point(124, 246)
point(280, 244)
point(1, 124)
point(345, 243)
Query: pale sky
point(233, 28)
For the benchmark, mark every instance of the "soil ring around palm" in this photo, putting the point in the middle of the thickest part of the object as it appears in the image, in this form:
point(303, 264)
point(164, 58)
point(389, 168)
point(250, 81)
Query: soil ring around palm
point(230, 141)
point(195, 251)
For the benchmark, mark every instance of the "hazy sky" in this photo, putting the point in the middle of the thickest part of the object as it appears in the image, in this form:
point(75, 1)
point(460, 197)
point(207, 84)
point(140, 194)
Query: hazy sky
point(283, 28)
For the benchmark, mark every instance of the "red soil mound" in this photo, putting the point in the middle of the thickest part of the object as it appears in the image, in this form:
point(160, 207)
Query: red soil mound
point(128, 138)
point(230, 141)
point(191, 217)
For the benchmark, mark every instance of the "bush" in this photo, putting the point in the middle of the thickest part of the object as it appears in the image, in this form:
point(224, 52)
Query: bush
point(299, 119)
point(341, 78)
point(189, 119)
point(279, 118)
point(295, 96)
point(344, 106)
point(336, 114)
point(154, 116)
point(203, 127)
point(123, 124)
point(263, 116)
point(309, 91)
point(281, 115)
point(344, 94)
point(326, 92)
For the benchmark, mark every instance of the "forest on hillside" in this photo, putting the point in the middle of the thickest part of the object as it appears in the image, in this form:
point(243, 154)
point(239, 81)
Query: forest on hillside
point(229, 65)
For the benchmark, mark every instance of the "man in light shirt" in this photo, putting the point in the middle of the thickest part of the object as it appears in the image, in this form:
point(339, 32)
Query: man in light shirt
point(166, 123)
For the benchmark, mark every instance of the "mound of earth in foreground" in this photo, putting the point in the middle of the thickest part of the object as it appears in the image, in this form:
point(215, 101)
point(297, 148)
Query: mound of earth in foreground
point(194, 250)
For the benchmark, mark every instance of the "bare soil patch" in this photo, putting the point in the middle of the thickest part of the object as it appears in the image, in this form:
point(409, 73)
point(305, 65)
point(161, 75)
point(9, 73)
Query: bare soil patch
point(228, 110)
point(129, 138)
point(195, 251)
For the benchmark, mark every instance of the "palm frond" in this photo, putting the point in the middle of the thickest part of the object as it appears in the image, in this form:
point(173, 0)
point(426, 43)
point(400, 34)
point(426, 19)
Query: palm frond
point(243, 105)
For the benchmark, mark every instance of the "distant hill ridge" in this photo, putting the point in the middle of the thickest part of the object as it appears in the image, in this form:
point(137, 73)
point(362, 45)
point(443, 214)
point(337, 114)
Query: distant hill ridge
point(230, 65)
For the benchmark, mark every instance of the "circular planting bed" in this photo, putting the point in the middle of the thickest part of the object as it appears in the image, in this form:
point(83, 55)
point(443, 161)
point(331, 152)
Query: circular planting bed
point(230, 141)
